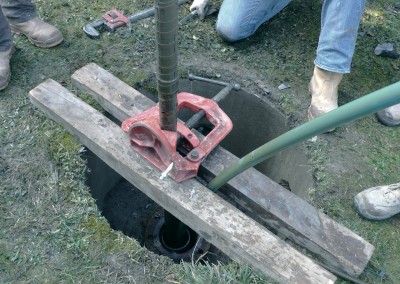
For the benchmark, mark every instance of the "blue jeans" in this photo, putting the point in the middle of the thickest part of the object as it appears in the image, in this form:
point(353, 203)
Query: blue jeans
point(239, 19)
point(13, 11)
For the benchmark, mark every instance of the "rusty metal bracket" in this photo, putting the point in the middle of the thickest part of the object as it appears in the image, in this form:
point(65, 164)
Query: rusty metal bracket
point(160, 146)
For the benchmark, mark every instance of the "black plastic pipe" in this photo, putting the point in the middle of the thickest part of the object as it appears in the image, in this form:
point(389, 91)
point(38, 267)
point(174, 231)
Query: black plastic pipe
point(174, 235)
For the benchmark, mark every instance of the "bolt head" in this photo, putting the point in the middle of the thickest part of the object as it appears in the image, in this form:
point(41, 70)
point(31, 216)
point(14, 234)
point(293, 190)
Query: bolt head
point(194, 154)
point(236, 87)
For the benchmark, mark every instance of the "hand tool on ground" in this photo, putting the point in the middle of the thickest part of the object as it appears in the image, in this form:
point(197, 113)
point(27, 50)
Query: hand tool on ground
point(114, 19)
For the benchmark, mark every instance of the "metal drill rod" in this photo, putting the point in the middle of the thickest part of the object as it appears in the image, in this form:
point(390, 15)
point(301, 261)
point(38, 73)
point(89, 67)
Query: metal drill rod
point(195, 119)
point(221, 95)
point(235, 86)
point(166, 12)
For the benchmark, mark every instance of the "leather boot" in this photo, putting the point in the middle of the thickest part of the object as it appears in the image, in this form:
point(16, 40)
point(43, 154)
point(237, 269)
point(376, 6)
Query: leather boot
point(324, 92)
point(5, 73)
point(38, 32)
point(389, 116)
point(378, 203)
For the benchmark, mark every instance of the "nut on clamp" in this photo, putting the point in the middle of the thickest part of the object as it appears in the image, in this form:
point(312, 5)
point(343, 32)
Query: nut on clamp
point(160, 146)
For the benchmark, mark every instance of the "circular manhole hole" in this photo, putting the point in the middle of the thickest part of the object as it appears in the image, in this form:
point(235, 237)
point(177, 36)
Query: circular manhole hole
point(255, 122)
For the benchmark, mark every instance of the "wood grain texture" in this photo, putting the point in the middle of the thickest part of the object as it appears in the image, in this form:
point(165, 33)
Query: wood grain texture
point(217, 221)
point(260, 197)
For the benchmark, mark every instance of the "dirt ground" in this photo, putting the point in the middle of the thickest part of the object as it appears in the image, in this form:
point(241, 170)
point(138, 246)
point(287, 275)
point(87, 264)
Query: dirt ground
point(51, 229)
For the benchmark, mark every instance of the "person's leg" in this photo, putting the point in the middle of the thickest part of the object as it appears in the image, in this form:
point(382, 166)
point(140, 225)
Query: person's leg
point(18, 11)
point(5, 51)
point(239, 19)
point(23, 19)
point(339, 25)
point(5, 33)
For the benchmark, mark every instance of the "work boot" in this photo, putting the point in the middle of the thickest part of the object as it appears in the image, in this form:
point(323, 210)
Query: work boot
point(378, 203)
point(389, 116)
point(38, 32)
point(324, 92)
point(5, 73)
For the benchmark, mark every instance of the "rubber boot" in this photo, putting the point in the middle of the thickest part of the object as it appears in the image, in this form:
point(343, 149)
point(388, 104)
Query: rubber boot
point(389, 116)
point(39, 32)
point(378, 203)
point(324, 92)
point(5, 72)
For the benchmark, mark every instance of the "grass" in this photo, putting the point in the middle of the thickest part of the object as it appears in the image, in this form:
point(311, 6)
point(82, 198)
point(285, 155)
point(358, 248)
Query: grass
point(51, 230)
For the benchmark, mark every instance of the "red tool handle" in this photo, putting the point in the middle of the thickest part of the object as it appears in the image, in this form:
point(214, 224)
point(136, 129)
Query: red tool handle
point(114, 19)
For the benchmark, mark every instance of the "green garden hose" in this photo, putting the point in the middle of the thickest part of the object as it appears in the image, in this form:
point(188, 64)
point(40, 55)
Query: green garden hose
point(356, 109)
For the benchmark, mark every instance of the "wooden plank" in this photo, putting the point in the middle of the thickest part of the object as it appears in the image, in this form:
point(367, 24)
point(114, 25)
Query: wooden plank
point(257, 195)
point(217, 221)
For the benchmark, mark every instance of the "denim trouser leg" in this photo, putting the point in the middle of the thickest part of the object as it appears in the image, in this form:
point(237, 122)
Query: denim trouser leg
point(239, 19)
point(18, 11)
point(339, 25)
point(5, 33)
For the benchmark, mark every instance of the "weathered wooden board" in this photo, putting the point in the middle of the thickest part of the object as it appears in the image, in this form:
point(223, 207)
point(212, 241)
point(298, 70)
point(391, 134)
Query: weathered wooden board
point(261, 198)
point(217, 221)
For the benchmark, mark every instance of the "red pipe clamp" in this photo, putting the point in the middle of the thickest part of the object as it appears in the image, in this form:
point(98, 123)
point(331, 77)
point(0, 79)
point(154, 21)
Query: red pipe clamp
point(159, 146)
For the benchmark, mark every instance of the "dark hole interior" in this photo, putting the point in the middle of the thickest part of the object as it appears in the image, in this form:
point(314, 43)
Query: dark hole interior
point(255, 122)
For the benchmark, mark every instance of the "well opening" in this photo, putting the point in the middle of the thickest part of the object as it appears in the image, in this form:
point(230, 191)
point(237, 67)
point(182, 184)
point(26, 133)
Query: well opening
point(255, 122)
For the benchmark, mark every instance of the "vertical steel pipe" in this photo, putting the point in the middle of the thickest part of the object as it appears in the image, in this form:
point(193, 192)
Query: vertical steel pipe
point(167, 55)
point(174, 233)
